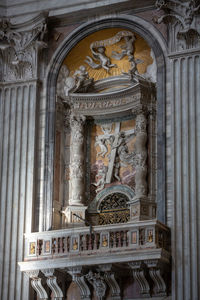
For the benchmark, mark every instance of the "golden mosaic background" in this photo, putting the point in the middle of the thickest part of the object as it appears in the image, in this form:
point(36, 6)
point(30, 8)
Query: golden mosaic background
point(78, 54)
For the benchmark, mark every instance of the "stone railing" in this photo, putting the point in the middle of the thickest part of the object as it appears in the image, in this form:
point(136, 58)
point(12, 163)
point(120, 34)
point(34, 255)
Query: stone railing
point(141, 248)
point(102, 239)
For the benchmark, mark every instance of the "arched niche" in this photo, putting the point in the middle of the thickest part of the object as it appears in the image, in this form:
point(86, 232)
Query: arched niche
point(155, 41)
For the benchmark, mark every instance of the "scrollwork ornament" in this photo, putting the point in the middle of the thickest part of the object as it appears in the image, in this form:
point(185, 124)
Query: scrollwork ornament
point(98, 283)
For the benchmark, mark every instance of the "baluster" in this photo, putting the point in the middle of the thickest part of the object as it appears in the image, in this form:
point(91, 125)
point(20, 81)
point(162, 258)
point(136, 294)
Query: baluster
point(38, 247)
point(120, 238)
point(84, 242)
point(114, 239)
point(95, 241)
point(124, 238)
point(90, 242)
point(118, 242)
point(61, 245)
point(111, 239)
point(65, 244)
point(56, 245)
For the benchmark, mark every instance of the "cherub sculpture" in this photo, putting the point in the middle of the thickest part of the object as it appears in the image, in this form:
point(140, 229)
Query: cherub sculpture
point(99, 54)
point(79, 82)
point(128, 48)
point(102, 144)
point(80, 75)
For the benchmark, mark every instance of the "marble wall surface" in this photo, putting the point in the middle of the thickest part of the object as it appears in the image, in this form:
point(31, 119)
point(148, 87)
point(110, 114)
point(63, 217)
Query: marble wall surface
point(22, 148)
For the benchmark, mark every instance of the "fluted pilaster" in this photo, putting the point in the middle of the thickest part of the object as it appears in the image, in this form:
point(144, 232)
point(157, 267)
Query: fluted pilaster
point(185, 70)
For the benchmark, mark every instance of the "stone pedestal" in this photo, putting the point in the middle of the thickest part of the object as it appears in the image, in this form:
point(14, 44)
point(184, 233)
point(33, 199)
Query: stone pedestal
point(142, 209)
point(75, 214)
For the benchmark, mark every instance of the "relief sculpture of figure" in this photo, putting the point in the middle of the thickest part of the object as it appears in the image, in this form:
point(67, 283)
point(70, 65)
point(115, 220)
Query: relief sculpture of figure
point(101, 175)
point(99, 54)
point(102, 144)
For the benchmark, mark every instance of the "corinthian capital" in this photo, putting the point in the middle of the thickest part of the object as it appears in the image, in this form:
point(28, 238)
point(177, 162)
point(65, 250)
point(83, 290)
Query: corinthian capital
point(19, 46)
point(185, 15)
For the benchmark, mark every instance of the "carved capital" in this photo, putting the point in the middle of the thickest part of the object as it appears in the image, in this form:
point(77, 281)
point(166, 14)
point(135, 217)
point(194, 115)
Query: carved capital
point(184, 18)
point(19, 46)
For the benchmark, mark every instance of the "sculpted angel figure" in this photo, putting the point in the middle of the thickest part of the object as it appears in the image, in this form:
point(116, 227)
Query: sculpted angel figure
point(99, 54)
point(127, 49)
point(80, 76)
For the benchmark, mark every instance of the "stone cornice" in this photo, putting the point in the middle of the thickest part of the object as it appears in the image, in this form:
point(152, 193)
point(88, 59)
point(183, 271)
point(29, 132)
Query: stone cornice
point(189, 52)
point(71, 8)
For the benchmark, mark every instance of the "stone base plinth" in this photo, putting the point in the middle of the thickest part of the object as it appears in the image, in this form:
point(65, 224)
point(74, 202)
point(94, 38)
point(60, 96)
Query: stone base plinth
point(142, 209)
point(75, 215)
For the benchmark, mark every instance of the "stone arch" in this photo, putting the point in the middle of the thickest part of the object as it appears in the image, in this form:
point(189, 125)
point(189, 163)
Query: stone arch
point(123, 189)
point(157, 43)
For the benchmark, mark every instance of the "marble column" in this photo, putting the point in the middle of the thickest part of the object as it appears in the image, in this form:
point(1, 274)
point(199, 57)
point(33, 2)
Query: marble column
point(75, 212)
point(140, 207)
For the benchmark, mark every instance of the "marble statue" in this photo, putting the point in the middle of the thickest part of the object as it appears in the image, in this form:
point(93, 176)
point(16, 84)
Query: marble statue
point(99, 55)
point(127, 49)
point(98, 49)
point(79, 82)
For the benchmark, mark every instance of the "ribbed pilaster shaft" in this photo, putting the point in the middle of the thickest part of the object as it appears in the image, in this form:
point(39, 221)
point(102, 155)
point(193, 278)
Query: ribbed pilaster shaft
point(186, 166)
point(17, 130)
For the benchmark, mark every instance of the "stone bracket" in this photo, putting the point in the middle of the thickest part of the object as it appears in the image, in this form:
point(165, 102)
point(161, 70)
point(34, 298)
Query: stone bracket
point(52, 284)
point(36, 284)
point(79, 279)
point(139, 274)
